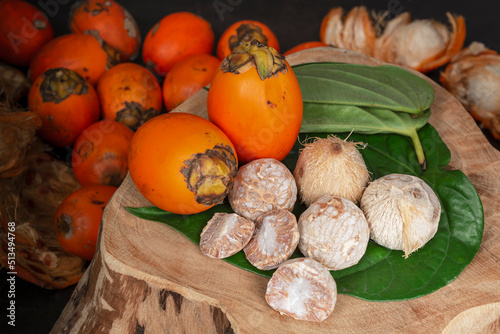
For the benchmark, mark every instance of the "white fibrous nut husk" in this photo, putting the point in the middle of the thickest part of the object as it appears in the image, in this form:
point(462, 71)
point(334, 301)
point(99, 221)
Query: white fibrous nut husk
point(330, 166)
point(225, 235)
point(262, 185)
point(303, 289)
point(402, 211)
point(275, 239)
point(334, 232)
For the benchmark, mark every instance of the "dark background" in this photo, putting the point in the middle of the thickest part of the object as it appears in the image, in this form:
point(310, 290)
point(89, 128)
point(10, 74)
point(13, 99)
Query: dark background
point(293, 22)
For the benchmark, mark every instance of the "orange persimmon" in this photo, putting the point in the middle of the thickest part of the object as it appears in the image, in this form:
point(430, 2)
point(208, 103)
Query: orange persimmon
point(188, 76)
point(305, 46)
point(182, 163)
point(100, 153)
point(78, 217)
point(24, 29)
point(256, 100)
point(174, 37)
point(81, 53)
point(129, 94)
point(109, 21)
point(66, 103)
point(242, 32)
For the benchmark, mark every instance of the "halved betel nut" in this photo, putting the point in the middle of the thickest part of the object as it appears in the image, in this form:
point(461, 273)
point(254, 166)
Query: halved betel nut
point(275, 239)
point(225, 235)
point(303, 289)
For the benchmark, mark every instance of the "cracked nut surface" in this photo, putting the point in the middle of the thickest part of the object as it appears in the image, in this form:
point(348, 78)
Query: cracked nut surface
point(303, 289)
point(333, 231)
point(225, 235)
point(275, 238)
point(262, 185)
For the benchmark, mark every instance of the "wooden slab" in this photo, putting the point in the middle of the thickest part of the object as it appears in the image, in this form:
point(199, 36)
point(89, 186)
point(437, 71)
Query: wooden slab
point(146, 277)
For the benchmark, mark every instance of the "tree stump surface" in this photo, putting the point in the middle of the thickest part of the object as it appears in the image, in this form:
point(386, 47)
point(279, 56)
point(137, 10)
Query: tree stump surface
point(146, 277)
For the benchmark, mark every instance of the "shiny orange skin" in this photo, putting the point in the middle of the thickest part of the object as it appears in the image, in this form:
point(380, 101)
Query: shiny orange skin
point(125, 83)
point(112, 21)
point(81, 53)
point(305, 46)
point(174, 37)
point(188, 76)
point(64, 121)
point(24, 30)
point(78, 217)
point(158, 152)
point(223, 49)
point(100, 153)
point(262, 118)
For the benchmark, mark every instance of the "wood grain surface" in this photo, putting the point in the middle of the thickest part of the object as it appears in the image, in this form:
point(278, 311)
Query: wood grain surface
point(148, 278)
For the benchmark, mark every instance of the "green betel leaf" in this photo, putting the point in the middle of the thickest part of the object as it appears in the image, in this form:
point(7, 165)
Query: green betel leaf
point(386, 86)
point(334, 118)
point(383, 274)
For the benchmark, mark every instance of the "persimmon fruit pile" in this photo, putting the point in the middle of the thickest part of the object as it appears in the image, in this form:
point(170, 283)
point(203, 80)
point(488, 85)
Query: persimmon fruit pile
point(174, 37)
point(109, 21)
point(256, 100)
point(82, 53)
point(78, 217)
point(188, 76)
point(182, 163)
point(24, 30)
point(66, 103)
point(129, 94)
point(100, 153)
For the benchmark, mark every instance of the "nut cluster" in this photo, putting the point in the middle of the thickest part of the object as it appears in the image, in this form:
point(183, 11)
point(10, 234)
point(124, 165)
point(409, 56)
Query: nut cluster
point(397, 211)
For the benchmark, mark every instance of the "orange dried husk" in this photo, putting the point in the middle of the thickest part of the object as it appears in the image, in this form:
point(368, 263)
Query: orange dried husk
point(422, 45)
point(473, 77)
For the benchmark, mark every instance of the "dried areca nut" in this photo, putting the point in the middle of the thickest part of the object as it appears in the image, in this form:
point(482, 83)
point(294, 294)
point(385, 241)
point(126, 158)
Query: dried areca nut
point(225, 235)
point(334, 232)
point(262, 185)
point(330, 166)
point(402, 211)
point(303, 289)
point(275, 239)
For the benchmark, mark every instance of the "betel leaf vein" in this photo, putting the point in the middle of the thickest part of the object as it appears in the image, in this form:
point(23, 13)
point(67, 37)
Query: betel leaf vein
point(384, 274)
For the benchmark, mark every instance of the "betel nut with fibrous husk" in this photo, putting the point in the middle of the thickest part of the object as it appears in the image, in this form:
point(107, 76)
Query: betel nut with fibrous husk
point(330, 166)
point(403, 212)
point(260, 186)
point(334, 232)
point(303, 289)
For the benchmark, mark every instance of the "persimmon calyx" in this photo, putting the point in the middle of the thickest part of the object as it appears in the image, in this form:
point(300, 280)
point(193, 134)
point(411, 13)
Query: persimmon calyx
point(210, 175)
point(266, 60)
point(60, 83)
point(134, 115)
point(246, 33)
